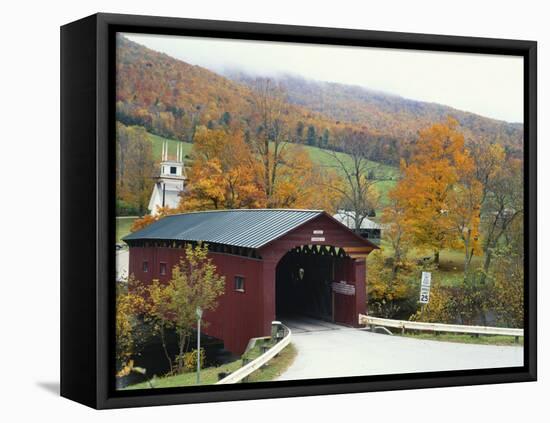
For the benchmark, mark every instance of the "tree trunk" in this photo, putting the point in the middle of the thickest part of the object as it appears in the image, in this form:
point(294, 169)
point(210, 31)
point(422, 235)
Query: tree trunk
point(181, 345)
point(393, 271)
point(436, 258)
point(266, 170)
point(165, 349)
point(395, 265)
point(357, 223)
point(466, 257)
point(486, 264)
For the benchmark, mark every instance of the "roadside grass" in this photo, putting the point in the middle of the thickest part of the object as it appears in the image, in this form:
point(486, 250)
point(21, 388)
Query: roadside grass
point(466, 338)
point(209, 375)
point(123, 225)
point(276, 367)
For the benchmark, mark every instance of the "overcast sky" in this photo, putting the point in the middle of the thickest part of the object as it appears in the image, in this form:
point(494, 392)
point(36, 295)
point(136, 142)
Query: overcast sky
point(488, 85)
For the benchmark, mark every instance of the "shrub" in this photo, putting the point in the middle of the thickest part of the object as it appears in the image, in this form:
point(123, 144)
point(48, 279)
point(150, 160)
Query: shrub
point(465, 304)
point(389, 295)
point(190, 360)
point(507, 288)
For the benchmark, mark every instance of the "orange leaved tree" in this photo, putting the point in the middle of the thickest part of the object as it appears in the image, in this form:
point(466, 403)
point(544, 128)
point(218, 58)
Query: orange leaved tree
point(433, 183)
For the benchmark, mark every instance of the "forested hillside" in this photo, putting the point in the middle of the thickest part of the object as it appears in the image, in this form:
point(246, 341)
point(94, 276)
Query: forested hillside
point(171, 98)
point(387, 114)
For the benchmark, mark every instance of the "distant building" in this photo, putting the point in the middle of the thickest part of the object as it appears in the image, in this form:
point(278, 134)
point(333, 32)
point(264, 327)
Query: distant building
point(369, 229)
point(171, 181)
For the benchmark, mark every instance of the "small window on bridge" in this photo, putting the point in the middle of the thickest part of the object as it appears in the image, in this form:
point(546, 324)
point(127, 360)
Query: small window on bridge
point(162, 269)
point(239, 283)
point(145, 267)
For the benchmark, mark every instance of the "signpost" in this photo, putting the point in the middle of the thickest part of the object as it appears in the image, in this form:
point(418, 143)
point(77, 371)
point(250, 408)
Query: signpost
point(425, 285)
point(198, 312)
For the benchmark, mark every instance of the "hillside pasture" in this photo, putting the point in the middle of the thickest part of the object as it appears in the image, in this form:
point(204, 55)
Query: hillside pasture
point(385, 175)
point(158, 141)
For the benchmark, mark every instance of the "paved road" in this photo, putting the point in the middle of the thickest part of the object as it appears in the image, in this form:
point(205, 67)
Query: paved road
point(329, 350)
point(122, 262)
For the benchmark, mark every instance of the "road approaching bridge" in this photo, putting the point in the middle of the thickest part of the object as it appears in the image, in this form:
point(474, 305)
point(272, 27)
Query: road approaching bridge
point(122, 258)
point(328, 350)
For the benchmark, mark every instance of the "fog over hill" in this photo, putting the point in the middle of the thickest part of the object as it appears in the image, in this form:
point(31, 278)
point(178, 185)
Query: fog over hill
point(386, 113)
point(171, 97)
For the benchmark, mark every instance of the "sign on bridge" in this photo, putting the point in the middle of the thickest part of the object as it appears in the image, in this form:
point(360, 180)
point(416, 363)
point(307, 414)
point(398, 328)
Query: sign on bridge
point(343, 288)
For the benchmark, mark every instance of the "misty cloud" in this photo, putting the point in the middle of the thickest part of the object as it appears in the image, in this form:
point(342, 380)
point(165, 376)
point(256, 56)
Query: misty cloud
point(489, 85)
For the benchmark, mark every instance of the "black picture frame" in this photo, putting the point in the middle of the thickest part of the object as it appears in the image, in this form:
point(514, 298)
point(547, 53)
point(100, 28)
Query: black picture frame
point(87, 179)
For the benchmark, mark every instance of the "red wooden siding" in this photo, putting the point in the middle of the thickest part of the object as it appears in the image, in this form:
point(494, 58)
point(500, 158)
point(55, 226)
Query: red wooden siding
point(235, 320)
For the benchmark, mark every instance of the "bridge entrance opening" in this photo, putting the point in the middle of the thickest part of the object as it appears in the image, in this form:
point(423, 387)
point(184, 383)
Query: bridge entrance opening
point(304, 278)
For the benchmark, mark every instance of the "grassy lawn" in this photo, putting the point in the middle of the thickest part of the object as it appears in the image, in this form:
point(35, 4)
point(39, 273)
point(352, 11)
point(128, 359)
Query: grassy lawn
point(209, 375)
point(123, 225)
point(451, 263)
point(466, 338)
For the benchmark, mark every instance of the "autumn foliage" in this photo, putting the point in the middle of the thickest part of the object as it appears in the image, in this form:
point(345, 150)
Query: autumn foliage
point(438, 193)
point(459, 184)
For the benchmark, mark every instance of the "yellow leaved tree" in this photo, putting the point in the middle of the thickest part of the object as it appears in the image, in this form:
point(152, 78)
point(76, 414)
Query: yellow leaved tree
point(439, 193)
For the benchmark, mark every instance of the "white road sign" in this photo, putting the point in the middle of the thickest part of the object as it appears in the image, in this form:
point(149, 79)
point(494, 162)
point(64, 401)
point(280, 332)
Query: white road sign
point(425, 285)
point(343, 288)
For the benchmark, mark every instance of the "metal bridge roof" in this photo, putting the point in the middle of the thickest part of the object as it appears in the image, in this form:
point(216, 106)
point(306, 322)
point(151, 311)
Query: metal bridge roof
point(241, 228)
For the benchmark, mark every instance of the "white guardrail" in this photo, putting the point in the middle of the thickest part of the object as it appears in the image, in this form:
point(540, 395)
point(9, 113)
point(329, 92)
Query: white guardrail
point(255, 364)
point(437, 327)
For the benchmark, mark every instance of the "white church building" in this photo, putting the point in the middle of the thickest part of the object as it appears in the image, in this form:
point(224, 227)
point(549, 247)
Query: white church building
point(171, 182)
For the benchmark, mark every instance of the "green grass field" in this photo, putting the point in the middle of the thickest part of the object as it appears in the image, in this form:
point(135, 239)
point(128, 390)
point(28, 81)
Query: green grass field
point(326, 158)
point(386, 175)
point(209, 375)
point(123, 225)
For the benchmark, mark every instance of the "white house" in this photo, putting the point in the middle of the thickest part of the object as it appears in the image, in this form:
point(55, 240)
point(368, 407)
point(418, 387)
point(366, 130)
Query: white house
point(171, 181)
point(369, 229)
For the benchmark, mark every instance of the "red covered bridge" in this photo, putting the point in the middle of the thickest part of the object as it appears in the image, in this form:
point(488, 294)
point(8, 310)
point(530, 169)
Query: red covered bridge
point(276, 263)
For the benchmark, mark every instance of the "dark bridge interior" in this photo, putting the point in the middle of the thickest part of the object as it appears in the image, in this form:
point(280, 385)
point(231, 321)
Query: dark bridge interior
point(303, 285)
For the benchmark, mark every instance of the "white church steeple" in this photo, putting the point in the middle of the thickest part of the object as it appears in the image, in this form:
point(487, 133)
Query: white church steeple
point(171, 181)
point(172, 168)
